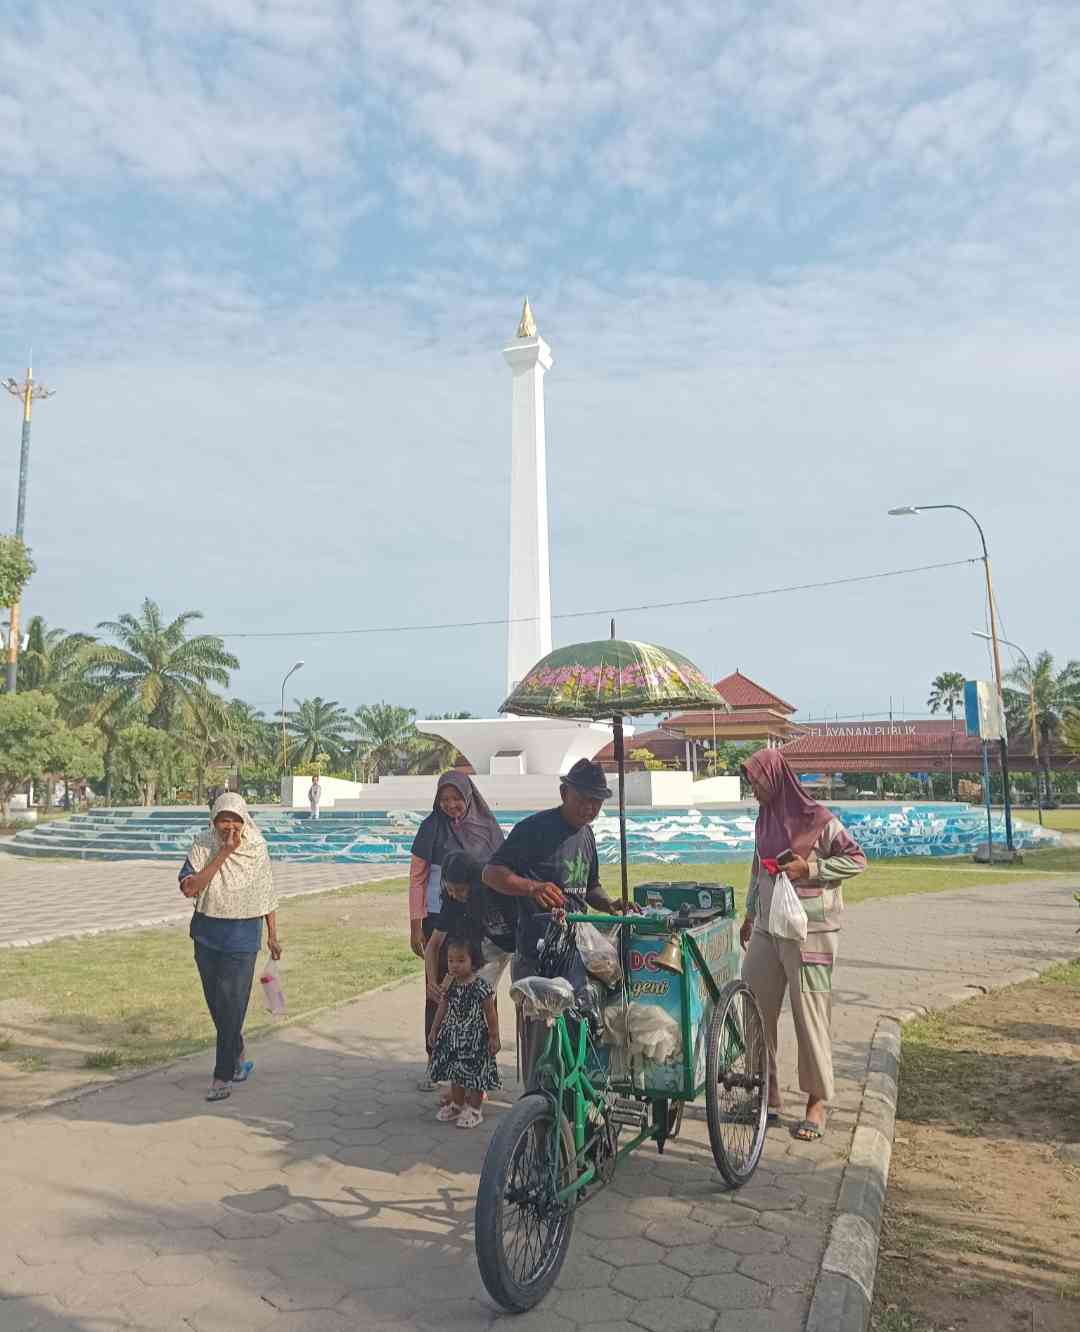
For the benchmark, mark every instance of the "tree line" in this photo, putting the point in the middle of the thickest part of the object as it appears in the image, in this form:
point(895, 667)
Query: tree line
point(140, 710)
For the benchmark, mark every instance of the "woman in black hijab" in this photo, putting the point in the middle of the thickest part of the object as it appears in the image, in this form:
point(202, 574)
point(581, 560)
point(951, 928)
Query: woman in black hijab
point(460, 820)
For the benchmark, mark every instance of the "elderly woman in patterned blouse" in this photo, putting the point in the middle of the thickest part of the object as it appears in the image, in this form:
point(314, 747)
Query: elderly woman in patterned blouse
point(227, 872)
point(817, 853)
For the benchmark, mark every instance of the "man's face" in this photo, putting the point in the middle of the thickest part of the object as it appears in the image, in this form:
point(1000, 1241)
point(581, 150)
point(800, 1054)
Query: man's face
point(579, 809)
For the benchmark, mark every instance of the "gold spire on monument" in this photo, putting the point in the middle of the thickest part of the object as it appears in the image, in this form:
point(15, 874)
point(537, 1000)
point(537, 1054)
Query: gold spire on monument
point(527, 327)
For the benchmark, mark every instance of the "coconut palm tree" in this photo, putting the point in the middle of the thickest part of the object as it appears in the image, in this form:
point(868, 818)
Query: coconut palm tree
point(386, 737)
point(946, 695)
point(318, 726)
point(156, 668)
point(1057, 696)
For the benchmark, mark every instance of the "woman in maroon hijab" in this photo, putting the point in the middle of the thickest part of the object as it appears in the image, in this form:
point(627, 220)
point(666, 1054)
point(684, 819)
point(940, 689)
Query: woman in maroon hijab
point(818, 853)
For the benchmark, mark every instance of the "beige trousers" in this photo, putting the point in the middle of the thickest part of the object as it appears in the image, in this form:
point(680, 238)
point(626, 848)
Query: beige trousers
point(773, 965)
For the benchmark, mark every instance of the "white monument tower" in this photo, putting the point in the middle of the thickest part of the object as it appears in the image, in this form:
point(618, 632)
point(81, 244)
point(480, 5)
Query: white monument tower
point(519, 759)
point(529, 637)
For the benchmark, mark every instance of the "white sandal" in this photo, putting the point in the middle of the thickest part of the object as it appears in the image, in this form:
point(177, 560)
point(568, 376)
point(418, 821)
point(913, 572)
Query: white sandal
point(448, 1112)
point(470, 1117)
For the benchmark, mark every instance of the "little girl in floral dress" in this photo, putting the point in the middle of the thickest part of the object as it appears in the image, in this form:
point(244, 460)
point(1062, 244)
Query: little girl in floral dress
point(465, 1036)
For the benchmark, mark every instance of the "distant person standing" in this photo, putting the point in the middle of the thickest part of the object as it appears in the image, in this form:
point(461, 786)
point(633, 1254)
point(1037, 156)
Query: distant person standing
point(314, 797)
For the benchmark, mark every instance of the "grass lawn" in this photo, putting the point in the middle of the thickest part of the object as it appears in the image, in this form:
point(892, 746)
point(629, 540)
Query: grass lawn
point(134, 997)
point(1063, 820)
point(982, 1219)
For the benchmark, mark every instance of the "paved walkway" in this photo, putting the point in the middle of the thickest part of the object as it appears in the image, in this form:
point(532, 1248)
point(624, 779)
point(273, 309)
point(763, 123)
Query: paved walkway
point(323, 1197)
point(48, 899)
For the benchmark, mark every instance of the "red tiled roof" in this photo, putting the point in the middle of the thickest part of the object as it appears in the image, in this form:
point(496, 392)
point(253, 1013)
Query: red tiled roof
point(767, 717)
point(838, 740)
point(742, 692)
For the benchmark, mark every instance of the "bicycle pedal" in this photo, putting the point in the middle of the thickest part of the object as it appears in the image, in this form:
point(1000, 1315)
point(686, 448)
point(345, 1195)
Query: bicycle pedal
point(629, 1113)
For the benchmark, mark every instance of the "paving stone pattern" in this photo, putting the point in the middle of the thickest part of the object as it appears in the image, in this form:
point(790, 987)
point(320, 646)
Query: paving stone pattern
point(323, 1196)
point(41, 900)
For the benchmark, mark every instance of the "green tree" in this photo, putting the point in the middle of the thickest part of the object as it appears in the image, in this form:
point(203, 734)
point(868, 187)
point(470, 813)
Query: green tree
point(156, 668)
point(648, 760)
point(53, 660)
point(729, 756)
point(35, 740)
point(149, 758)
point(1057, 695)
point(16, 569)
point(318, 726)
point(946, 695)
point(386, 738)
point(432, 754)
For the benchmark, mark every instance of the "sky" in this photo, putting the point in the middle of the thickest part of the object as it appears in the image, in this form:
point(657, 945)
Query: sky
point(796, 263)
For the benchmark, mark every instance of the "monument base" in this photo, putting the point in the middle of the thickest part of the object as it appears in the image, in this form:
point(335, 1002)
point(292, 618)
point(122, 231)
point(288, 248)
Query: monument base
point(522, 746)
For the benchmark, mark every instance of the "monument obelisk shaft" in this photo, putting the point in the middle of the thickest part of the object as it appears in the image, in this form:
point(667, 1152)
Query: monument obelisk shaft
point(529, 636)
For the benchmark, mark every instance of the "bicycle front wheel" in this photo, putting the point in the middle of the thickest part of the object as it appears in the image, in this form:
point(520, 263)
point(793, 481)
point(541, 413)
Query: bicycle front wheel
point(522, 1231)
point(737, 1083)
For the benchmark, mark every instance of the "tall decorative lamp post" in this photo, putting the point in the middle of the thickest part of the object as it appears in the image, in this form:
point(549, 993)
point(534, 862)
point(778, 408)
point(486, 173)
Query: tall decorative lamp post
point(284, 717)
point(28, 393)
point(913, 510)
point(977, 633)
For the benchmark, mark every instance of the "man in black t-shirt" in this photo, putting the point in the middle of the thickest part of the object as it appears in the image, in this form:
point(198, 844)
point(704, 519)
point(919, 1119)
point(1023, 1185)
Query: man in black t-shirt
point(549, 860)
point(549, 863)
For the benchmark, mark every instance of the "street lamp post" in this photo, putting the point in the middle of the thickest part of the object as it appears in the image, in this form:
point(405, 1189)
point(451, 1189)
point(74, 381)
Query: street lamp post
point(284, 733)
point(913, 510)
point(28, 393)
point(977, 633)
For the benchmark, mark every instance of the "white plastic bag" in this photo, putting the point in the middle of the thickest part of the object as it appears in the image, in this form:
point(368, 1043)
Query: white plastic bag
point(543, 999)
point(598, 953)
point(272, 993)
point(787, 917)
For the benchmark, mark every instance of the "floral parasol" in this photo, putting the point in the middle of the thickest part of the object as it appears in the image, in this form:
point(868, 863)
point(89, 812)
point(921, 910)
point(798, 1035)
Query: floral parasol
point(612, 677)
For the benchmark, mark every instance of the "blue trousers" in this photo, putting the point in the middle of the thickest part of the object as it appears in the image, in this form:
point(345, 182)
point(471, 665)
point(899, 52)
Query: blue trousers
point(226, 981)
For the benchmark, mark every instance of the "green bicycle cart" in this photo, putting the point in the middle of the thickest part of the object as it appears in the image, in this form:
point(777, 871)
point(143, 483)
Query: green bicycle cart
point(615, 1070)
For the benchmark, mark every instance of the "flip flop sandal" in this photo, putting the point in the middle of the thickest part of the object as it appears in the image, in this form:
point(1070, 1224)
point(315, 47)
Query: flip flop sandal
point(469, 1118)
point(808, 1131)
point(244, 1070)
point(772, 1118)
point(219, 1093)
point(448, 1112)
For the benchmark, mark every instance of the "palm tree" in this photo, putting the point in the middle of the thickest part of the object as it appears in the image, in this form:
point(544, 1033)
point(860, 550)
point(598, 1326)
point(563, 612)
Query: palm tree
point(155, 667)
point(1057, 695)
point(433, 754)
point(53, 660)
point(946, 695)
point(318, 726)
point(386, 737)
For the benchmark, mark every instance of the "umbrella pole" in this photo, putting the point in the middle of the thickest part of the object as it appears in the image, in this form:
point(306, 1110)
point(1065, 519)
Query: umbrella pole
point(620, 759)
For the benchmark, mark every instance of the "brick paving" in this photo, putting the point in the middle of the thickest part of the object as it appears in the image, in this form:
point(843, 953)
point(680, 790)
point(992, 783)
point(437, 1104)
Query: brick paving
point(50, 899)
point(323, 1197)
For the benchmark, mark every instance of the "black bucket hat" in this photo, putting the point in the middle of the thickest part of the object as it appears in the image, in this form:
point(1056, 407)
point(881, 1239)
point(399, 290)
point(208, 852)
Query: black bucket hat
point(589, 778)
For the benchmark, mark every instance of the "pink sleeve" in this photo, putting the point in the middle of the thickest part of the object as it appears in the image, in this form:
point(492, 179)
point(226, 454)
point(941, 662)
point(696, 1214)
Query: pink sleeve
point(418, 879)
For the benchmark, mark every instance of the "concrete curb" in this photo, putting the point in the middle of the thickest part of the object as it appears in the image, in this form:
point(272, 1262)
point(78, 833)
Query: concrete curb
point(844, 1291)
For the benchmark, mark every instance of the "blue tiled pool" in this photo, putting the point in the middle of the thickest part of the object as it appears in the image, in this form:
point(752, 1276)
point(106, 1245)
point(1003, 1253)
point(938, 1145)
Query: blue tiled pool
point(684, 837)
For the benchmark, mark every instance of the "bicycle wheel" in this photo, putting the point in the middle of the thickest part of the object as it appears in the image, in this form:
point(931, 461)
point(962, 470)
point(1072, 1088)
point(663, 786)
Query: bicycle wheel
point(736, 1083)
point(522, 1232)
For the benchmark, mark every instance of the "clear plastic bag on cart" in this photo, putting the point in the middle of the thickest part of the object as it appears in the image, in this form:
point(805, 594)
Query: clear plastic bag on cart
point(654, 1034)
point(787, 916)
point(598, 953)
point(542, 999)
